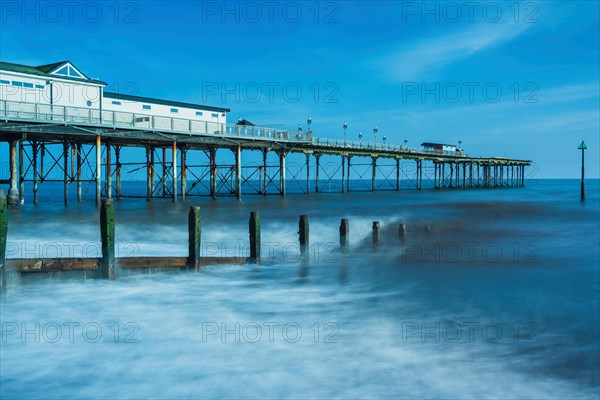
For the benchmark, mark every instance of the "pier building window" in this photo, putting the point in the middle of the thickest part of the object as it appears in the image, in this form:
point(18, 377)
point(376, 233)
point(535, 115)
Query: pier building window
point(39, 86)
point(199, 113)
point(116, 103)
point(214, 115)
point(2, 81)
point(28, 85)
point(89, 103)
point(174, 110)
point(17, 83)
point(146, 107)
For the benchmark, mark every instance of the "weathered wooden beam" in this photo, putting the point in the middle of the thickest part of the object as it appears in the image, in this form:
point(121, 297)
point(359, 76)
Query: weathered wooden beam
point(52, 264)
point(303, 232)
point(175, 262)
point(107, 233)
point(195, 238)
point(254, 226)
point(344, 234)
point(376, 236)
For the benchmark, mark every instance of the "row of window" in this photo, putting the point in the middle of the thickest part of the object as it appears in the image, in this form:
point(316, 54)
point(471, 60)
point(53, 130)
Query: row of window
point(173, 110)
point(21, 84)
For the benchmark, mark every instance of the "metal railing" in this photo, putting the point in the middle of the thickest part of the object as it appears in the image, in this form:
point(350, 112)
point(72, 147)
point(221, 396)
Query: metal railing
point(37, 112)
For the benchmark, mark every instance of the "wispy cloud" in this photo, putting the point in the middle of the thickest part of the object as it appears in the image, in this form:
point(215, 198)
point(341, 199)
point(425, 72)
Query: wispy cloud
point(412, 61)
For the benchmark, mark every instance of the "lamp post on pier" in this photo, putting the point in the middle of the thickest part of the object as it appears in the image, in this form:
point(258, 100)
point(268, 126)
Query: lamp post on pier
point(345, 129)
point(360, 138)
point(375, 135)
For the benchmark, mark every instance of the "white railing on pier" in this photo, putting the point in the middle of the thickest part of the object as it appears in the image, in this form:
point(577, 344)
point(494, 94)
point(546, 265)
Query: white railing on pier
point(37, 112)
point(393, 148)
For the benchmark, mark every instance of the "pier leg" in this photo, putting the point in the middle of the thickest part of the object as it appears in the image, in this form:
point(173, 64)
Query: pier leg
point(78, 173)
point(183, 153)
point(317, 159)
point(254, 226)
point(344, 234)
point(343, 172)
point(397, 174)
point(21, 174)
point(464, 182)
point(148, 174)
point(213, 172)
point(307, 173)
point(443, 175)
point(163, 178)
point(195, 240)
point(402, 232)
point(34, 150)
point(174, 169)
point(523, 175)
point(265, 153)
point(108, 170)
point(303, 233)
point(98, 170)
point(375, 235)
point(374, 174)
point(107, 233)
point(3, 227)
point(451, 174)
point(470, 175)
point(118, 172)
point(420, 174)
point(238, 172)
point(13, 191)
point(348, 177)
point(282, 173)
point(66, 173)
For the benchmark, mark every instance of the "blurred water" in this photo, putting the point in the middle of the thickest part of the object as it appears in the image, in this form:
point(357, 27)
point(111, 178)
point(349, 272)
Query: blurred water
point(492, 294)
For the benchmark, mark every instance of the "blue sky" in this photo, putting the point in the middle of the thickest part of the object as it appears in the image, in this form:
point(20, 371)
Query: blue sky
point(520, 79)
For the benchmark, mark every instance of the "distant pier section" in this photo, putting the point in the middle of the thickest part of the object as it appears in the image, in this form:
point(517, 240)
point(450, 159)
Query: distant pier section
point(62, 126)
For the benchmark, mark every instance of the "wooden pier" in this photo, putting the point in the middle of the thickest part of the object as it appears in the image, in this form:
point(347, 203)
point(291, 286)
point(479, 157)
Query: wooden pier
point(74, 148)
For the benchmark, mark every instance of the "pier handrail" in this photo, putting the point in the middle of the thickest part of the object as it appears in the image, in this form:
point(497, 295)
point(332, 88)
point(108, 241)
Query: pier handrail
point(396, 148)
point(39, 112)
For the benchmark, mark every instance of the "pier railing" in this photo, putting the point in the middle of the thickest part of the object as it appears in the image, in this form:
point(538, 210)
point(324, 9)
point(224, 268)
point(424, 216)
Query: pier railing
point(45, 113)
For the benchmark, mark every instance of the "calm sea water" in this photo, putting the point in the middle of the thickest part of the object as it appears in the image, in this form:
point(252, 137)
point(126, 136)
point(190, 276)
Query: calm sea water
point(492, 294)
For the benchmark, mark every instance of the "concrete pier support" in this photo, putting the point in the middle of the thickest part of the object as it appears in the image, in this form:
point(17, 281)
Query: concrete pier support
point(13, 191)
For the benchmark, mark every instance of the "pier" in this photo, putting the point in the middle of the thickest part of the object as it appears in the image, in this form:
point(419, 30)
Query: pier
point(77, 146)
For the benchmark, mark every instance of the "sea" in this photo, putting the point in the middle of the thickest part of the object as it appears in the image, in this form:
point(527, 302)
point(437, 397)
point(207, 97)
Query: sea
point(482, 293)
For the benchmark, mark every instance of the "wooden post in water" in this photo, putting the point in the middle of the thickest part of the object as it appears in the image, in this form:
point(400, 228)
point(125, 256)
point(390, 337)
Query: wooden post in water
point(107, 234)
point(3, 226)
point(303, 234)
point(344, 234)
point(402, 232)
point(254, 227)
point(195, 240)
point(376, 237)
